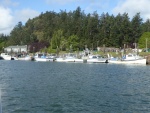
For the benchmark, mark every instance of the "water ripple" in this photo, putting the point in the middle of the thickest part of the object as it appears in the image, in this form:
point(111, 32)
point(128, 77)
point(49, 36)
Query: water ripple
point(35, 87)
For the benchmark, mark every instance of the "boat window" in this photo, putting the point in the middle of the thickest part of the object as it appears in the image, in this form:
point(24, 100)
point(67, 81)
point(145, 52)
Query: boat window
point(99, 56)
point(94, 57)
point(129, 55)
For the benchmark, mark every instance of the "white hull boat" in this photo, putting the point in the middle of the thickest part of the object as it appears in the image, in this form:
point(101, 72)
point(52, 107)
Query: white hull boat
point(129, 59)
point(60, 60)
point(73, 60)
point(42, 58)
point(69, 58)
point(26, 58)
point(137, 61)
point(96, 59)
point(6, 56)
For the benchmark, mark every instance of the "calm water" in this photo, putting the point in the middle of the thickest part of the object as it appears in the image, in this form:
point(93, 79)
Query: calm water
point(40, 87)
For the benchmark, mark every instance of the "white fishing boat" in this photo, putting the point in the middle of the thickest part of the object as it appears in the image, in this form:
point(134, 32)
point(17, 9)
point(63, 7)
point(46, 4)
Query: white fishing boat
point(42, 58)
point(72, 58)
point(69, 58)
point(96, 59)
point(129, 59)
point(60, 59)
point(7, 56)
point(26, 58)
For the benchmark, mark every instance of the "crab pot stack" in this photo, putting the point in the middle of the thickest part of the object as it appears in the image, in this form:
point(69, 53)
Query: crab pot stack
point(148, 59)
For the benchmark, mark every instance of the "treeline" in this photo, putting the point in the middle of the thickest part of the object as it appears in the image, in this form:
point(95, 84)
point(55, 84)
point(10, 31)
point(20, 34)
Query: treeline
point(75, 30)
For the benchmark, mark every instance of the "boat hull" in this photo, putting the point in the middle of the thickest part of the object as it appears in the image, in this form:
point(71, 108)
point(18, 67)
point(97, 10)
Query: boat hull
point(68, 60)
point(137, 61)
point(96, 61)
point(43, 59)
point(28, 58)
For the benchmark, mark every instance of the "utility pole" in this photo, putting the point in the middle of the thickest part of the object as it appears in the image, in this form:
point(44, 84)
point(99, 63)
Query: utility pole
point(97, 43)
point(146, 45)
point(135, 46)
point(124, 49)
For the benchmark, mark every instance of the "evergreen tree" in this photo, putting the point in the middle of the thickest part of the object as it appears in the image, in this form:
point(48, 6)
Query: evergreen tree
point(91, 30)
point(136, 28)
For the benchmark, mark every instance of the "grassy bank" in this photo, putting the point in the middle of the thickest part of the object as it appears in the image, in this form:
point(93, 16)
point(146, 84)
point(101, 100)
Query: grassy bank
point(114, 54)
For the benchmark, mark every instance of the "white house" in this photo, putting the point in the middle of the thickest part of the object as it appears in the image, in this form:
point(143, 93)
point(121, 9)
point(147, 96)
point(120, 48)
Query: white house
point(16, 49)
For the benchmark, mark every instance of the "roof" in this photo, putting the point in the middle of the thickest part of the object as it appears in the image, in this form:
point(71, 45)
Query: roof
point(22, 46)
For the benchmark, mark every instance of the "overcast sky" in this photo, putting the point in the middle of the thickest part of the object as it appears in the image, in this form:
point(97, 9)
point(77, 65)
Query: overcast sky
point(13, 11)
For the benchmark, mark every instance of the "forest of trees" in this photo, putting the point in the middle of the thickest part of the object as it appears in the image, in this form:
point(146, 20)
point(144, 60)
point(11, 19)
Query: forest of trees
point(51, 31)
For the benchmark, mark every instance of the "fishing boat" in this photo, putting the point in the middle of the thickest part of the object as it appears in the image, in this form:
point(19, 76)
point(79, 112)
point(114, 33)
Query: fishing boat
point(96, 59)
point(7, 56)
point(26, 58)
point(70, 57)
point(39, 57)
point(129, 59)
